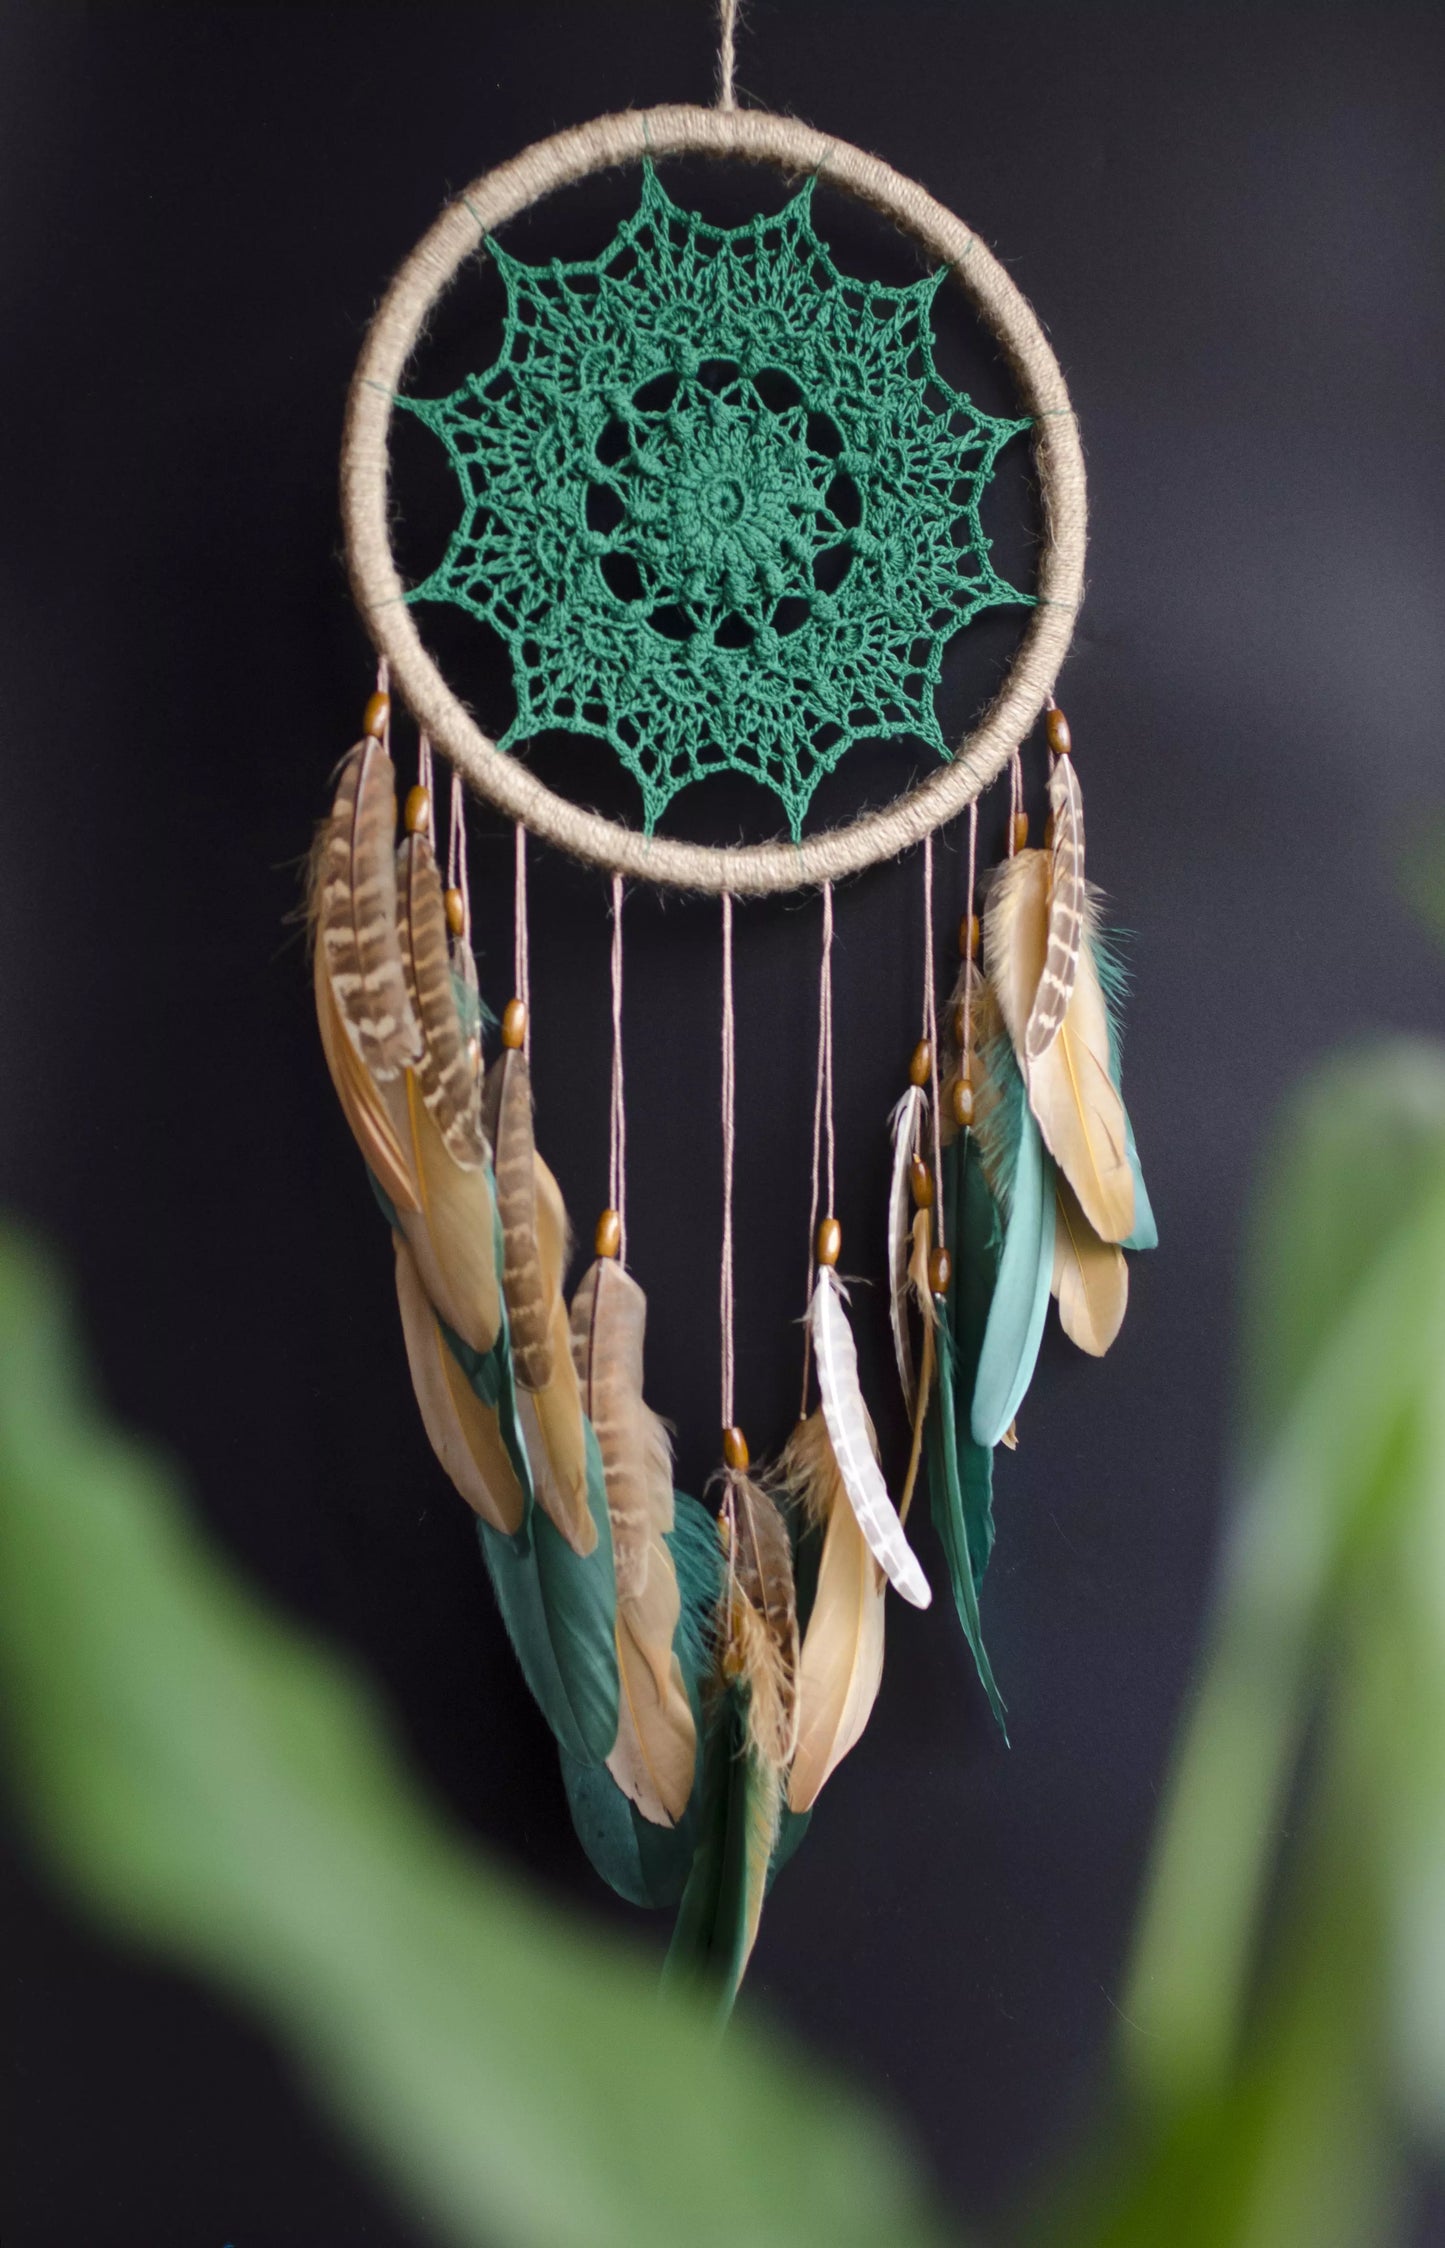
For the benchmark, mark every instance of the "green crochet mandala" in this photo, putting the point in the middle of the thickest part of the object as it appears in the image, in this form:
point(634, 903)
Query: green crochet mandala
point(718, 502)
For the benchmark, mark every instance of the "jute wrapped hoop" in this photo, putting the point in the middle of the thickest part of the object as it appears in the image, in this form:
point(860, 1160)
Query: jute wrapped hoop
point(756, 868)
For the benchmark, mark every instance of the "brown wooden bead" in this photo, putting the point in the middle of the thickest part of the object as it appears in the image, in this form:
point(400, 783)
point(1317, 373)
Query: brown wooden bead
point(418, 810)
point(1056, 726)
point(940, 1271)
point(375, 716)
point(735, 1450)
point(830, 1241)
point(514, 1025)
point(456, 906)
point(968, 936)
point(1021, 830)
point(920, 1178)
point(961, 1101)
point(608, 1238)
point(921, 1066)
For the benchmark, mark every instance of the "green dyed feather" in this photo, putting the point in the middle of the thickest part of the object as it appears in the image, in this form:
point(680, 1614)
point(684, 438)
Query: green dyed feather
point(952, 1504)
point(1020, 1302)
point(738, 1833)
point(973, 1242)
point(648, 1864)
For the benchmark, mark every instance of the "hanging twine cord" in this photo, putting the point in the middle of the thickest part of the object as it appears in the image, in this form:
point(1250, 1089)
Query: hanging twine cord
point(521, 939)
point(426, 780)
point(930, 1032)
point(822, 1100)
point(729, 1132)
point(968, 964)
point(507, 782)
point(617, 1156)
point(727, 54)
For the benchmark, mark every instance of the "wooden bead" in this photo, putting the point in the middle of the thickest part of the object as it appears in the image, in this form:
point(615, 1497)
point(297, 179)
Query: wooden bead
point(474, 1056)
point(1056, 726)
point(940, 1271)
point(921, 1180)
point(735, 1450)
point(968, 935)
point(418, 810)
point(1021, 830)
point(456, 906)
point(961, 1101)
point(514, 1025)
point(921, 1066)
point(830, 1241)
point(376, 715)
point(608, 1238)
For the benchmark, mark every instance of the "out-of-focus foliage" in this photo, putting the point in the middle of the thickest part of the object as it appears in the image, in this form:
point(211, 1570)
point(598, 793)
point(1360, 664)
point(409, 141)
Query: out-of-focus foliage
point(1284, 2045)
point(213, 1785)
point(218, 1788)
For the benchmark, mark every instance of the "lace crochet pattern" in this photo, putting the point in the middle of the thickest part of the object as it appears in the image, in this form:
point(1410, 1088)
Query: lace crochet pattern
point(718, 502)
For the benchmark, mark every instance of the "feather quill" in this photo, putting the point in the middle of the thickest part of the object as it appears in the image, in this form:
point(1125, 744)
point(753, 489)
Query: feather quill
point(848, 1428)
point(905, 1124)
point(842, 1653)
point(1090, 1277)
point(1070, 1086)
point(1065, 928)
point(656, 1749)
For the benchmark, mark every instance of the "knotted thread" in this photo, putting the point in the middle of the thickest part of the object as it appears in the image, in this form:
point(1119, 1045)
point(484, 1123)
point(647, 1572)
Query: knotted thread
point(930, 1032)
point(727, 53)
point(521, 939)
point(822, 1104)
point(617, 1155)
point(729, 1130)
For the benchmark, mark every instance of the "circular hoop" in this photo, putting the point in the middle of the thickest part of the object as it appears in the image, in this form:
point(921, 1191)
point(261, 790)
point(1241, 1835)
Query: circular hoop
point(759, 868)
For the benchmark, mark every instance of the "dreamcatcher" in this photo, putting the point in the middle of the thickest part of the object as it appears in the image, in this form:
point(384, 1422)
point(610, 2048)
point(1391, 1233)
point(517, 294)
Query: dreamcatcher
point(724, 513)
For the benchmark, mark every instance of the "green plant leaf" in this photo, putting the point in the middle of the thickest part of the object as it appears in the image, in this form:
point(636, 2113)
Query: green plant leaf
point(214, 1785)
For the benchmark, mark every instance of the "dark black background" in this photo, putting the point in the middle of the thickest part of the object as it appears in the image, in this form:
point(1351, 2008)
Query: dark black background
point(1230, 220)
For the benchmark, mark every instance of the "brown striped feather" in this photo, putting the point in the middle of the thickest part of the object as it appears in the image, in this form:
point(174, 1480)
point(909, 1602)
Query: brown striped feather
point(762, 1626)
point(508, 1107)
point(356, 913)
point(446, 1071)
point(550, 1411)
point(376, 1113)
point(452, 1234)
point(1066, 911)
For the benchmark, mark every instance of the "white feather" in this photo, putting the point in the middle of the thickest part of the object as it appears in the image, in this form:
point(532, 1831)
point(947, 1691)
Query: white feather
point(905, 1121)
point(847, 1419)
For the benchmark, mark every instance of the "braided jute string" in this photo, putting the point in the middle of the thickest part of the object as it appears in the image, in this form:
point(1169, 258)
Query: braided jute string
point(727, 54)
point(617, 1152)
point(509, 783)
point(729, 1137)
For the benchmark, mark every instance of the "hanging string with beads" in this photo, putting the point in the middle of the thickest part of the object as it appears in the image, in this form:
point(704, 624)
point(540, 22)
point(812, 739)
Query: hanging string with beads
point(1015, 806)
point(459, 889)
point(822, 1102)
point(930, 1034)
point(617, 1135)
point(968, 933)
point(521, 947)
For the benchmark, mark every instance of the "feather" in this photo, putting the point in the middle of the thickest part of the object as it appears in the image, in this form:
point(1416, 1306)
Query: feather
point(849, 1429)
point(354, 894)
point(656, 1749)
point(530, 1298)
point(759, 1632)
point(448, 1070)
point(1020, 1301)
point(465, 1434)
point(951, 1514)
point(376, 1113)
point(1070, 1088)
point(1065, 927)
point(842, 1653)
point(1114, 981)
point(742, 1835)
point(1090, 1277)
point(452, 1231)
point(905, 1124)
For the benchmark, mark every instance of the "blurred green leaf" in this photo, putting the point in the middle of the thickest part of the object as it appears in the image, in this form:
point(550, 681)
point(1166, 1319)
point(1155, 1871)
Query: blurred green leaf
point(214, 1785)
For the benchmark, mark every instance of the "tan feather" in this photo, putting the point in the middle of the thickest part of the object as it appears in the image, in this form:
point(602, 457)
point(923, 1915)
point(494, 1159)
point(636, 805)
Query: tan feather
point(376, 1113)
point(1066, 911)
point(448, 1069)
point(550, 1412)
point(355, 913)
point(761, 1630)
point(656, 1749)
point(1069, 1086)
point(918, 1281)
point(452, 1232)
point(465, 1434)
point(841, 1662)
point(507, 1107)
point(765, 1809)
point(1091, 1277)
